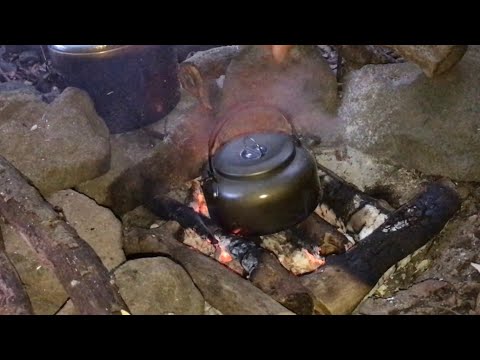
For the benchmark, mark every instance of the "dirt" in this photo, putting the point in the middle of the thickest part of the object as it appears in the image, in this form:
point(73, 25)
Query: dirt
point(30, 65)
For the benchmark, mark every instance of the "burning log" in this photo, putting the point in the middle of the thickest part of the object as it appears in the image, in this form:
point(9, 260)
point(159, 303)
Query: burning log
point(294, 254)
point(346, 279)
point(349, 209)
point(432, 59)
point(220, 287)
point(280, 284)
point(13, 297)
point(77, 266)
point(197, 72)
point(283, 287)
point(318, 232)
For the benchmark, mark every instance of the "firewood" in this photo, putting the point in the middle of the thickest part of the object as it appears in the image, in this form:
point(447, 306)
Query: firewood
point(348, 208)
point(220, 287)
point(283, 287)
point(346, 279)
point(76, 265)
point(280, 284)
point(13, 297)
point(317, 232)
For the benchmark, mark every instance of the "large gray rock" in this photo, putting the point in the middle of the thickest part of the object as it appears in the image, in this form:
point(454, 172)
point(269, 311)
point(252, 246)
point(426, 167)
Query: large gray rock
point(43, 288)
point(156, 286)
point(396, 113)
point(94, 224)
point(128, 150)
point(57, 145)
point(432, 59)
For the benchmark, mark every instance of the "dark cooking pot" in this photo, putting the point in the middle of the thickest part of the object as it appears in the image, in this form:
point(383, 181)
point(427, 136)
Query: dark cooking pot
point(131, 85)
point(260, 183)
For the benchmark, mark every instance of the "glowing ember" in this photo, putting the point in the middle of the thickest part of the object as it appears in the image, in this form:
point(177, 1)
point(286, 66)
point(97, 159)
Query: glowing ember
point(314, 260)
point(224, 256)
point(199, 204)
point(294, 258)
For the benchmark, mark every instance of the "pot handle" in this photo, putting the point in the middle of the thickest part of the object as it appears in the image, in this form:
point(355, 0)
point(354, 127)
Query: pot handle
point(238, 108)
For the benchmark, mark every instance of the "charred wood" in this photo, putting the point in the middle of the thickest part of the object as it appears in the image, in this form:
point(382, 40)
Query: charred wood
point(258, 264)
point(346, 279)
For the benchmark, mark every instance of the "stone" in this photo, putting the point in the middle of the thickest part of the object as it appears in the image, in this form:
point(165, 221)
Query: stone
point(42, 286)
point(375, 177)
point(303, 87)
point(16, 87)
point(432, 59)
point(150, 155)
point(7, 67)
point(395, 113)
point(95, 224)
point(68, 309)
point(139, 217)
point(158, 286)
point(29, 57)
point(58, 145)
point(128, 149)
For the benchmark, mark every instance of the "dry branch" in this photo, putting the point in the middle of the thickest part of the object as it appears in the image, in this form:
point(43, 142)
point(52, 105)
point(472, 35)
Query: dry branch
point(76, 265)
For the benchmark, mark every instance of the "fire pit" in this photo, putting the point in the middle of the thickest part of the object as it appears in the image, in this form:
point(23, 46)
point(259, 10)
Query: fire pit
point(325, 262)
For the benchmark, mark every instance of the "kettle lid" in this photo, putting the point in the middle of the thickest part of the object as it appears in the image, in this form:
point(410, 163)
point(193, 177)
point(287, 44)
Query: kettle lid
point(254, 154)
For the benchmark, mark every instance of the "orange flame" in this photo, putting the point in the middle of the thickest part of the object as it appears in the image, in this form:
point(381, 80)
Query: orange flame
point(312, 259)
point(199, 203)
point(237, 231)
point(224, 256)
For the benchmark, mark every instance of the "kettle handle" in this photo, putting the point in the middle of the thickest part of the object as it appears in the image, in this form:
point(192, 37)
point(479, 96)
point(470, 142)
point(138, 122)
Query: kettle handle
point(238, 108)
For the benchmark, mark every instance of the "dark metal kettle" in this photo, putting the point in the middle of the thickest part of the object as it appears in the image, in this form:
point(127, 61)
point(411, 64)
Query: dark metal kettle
point(260, 183)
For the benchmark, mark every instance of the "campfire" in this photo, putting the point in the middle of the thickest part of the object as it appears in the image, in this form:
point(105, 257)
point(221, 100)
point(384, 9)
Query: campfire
point(349, 230)
point(323, 259)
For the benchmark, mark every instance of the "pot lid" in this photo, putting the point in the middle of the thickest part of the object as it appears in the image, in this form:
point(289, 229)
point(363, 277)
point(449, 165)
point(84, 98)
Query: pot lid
point(254, 154)
point(83, 49)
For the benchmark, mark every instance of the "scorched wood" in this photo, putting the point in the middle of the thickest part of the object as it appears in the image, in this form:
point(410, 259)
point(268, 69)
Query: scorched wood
point(283, 286)
point(13, 297)
point(346, 279)
point(76, 265)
